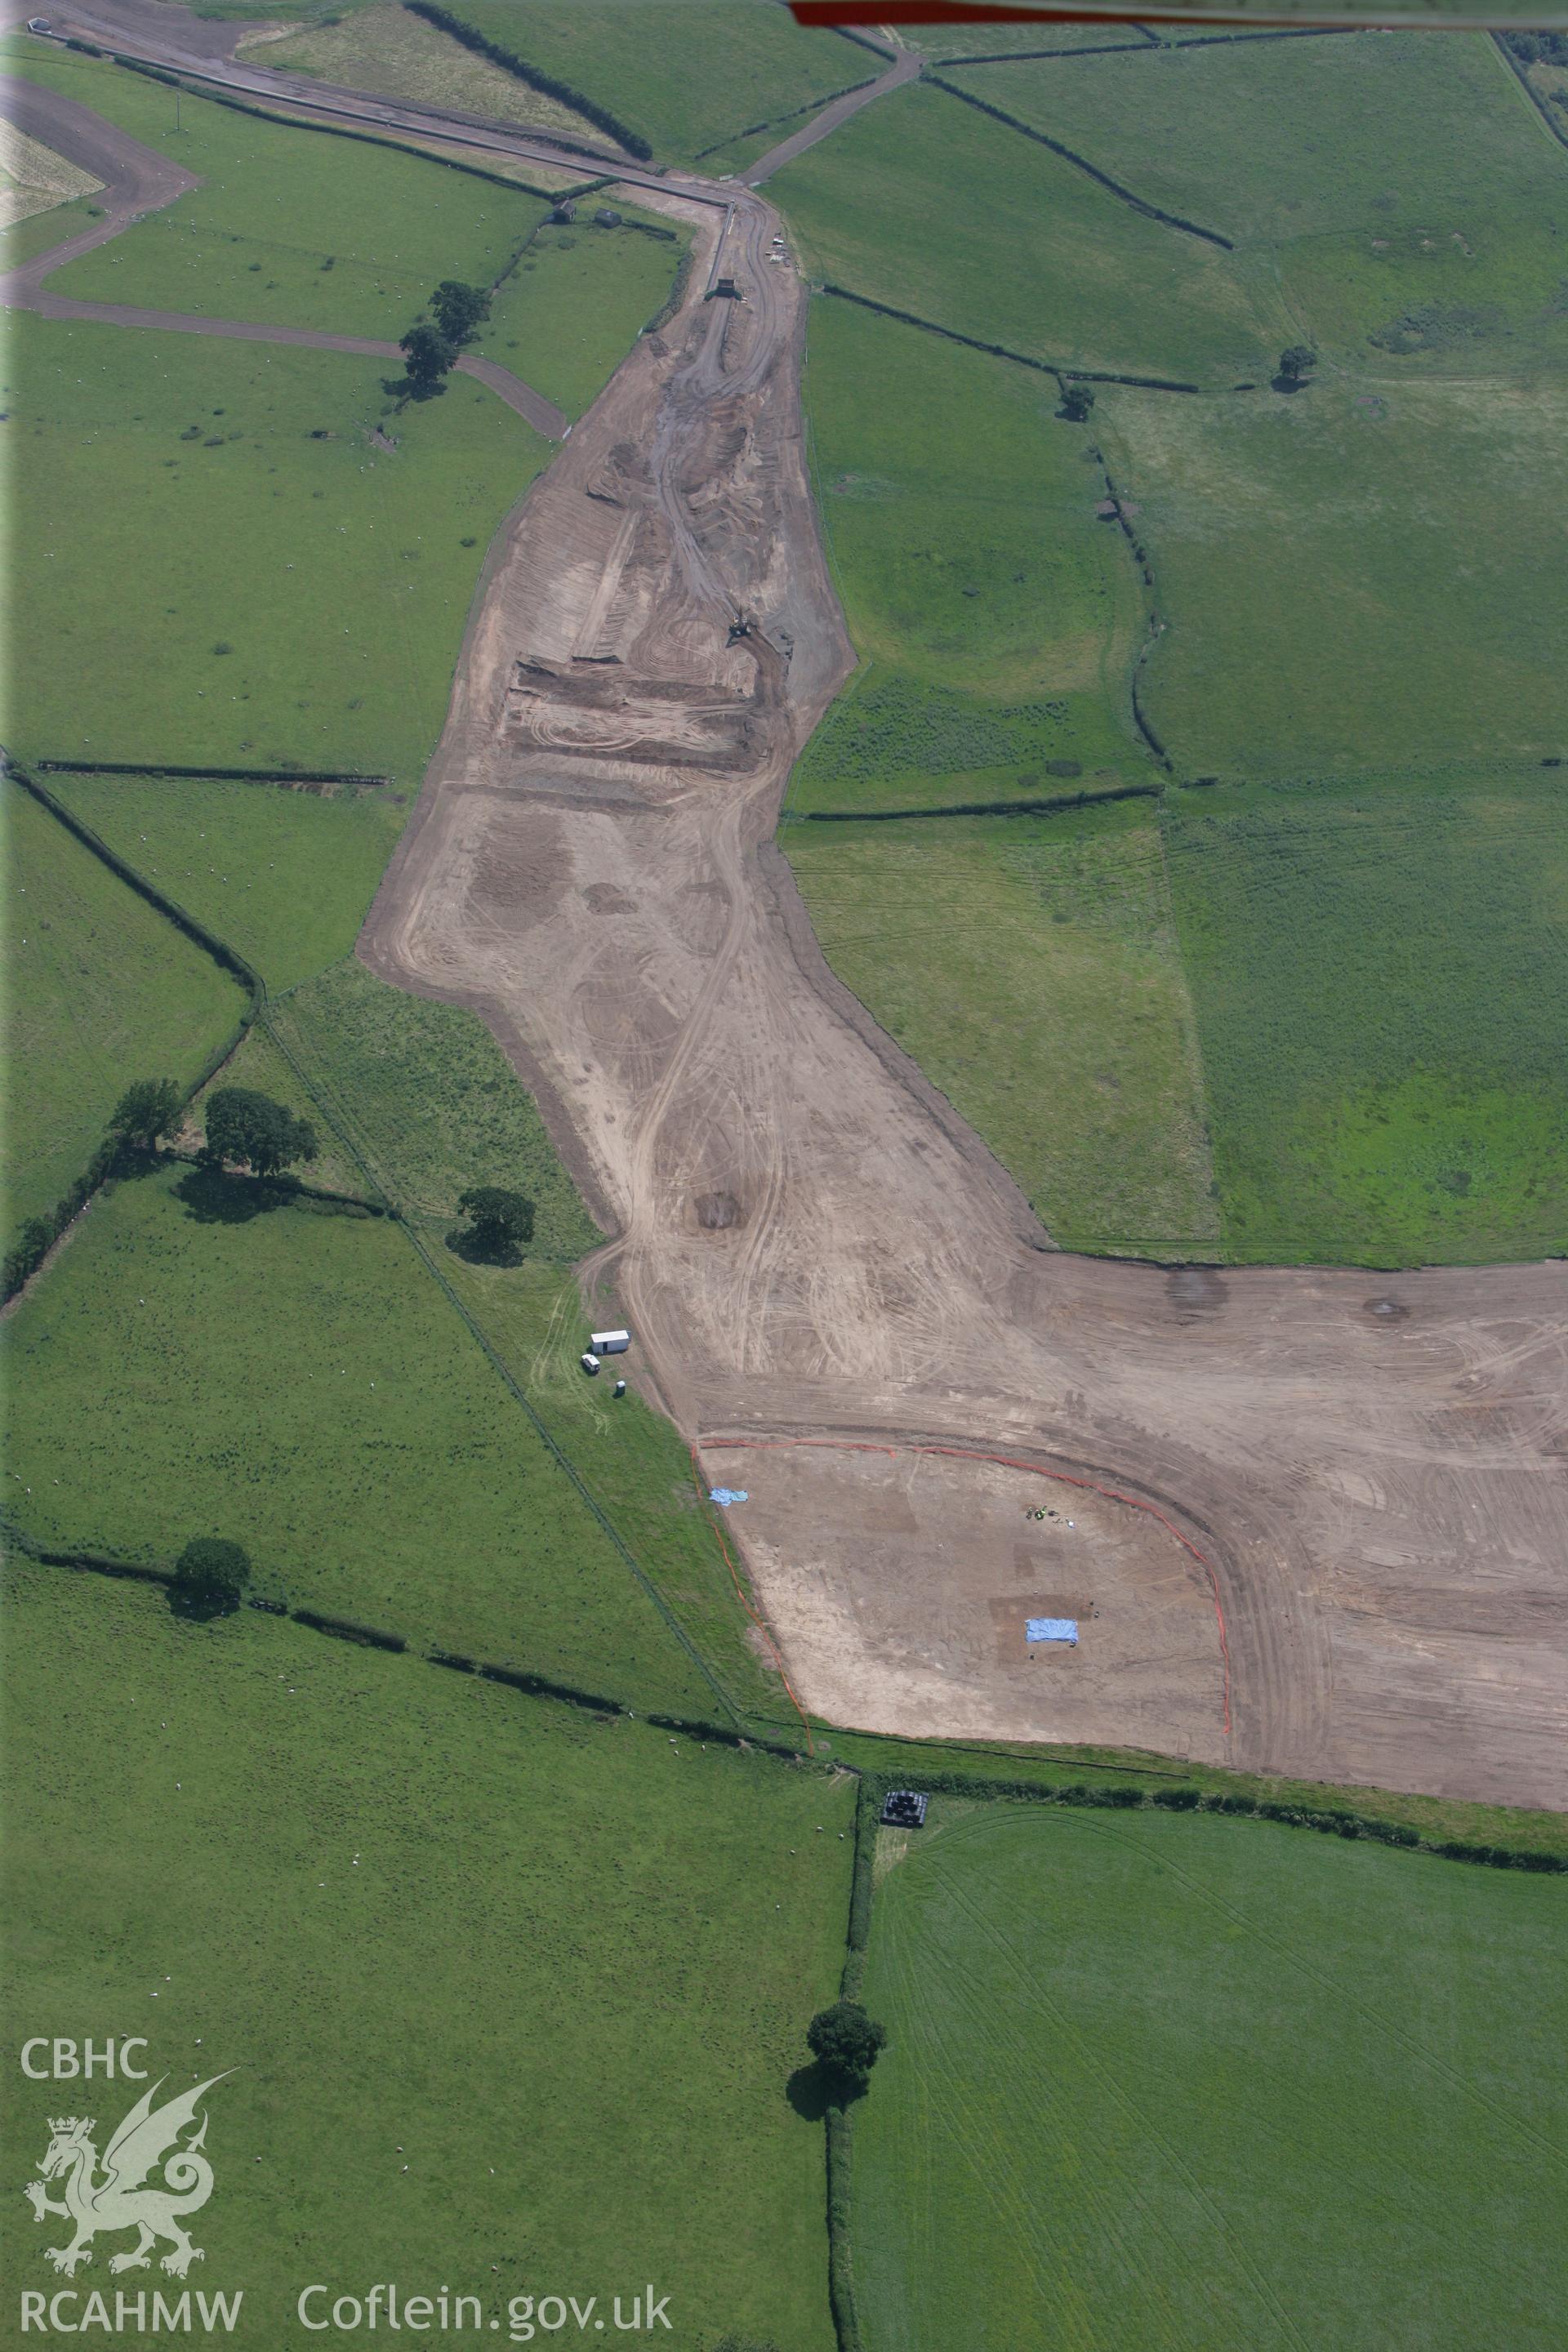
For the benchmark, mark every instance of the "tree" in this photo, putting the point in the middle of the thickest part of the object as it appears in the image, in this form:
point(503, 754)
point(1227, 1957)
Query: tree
point(1078, 399)
point(1297, 363)
point(243, 1125)
point(426, 355)
point(845, 2041)
point(459, 309)
point(500, 1223)
point(210, 1577)
point(145, 1113)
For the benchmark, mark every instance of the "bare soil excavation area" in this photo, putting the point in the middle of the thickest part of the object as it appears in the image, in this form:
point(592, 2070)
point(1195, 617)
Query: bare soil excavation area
point(936, 1567)
point(1359, 1482)
point(812, 1244)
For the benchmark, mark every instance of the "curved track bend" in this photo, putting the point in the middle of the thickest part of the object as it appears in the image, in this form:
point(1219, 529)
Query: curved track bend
point(812, 1244)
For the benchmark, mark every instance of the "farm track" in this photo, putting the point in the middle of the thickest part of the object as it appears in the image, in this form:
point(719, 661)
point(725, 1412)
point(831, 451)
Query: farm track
point(906, 67)
point(137, 179)
point(810, 1243)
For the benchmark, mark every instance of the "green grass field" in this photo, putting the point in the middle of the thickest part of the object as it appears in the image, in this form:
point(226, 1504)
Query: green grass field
point(25, 239)
point(430, 1100)
point(510, 1995)
point(636, 1465)
point(996, 615)
point(358, 235)
point(285, 878)
point(418, 1097)
point(99, 989)
point(1377, 974)
point(1283, 143)
point(685, 78)
point(1194, 2082)
point(1052, 1768)
point(201, 1363)
point(961, 43)
point(257, 1062)
point(385, 47)
point(574, 305)
point(1060, 1025)
point(1396, 202)
point(149, 458)
point(994, 612)
point(1358, 584)
point(922, 203)
point(289, 227)
point(1350, 577)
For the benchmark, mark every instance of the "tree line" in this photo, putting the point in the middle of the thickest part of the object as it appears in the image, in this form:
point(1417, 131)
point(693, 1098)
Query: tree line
point(245, 1129)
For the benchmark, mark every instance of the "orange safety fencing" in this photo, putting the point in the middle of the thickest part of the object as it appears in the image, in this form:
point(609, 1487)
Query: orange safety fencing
point(1007, 1461)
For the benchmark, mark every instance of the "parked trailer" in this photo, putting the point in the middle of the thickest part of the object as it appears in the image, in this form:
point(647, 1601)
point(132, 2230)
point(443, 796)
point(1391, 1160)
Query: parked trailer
point(590, 1364)
point(610, 1343)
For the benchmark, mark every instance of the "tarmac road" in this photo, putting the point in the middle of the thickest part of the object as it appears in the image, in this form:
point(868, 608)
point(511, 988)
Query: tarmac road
point(810, 1243)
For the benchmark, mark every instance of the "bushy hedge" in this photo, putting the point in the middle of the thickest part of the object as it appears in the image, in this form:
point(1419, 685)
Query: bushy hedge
point(546, 84)
point(1052, 807)
point(1538, 49)
point(1070, 156)
point(755, 130)
point(1001, 350)
point(97, 1563)
point(840, 2276)
point(196, 932)
point(676, 296)
point(724, 1735)
point(39, 1234)
point(542, 1686)
point(349, 1629)
point(867, 1805)
point(1496, 1857)
point(349, 128)
point(1329, 1820)
point(206, 775)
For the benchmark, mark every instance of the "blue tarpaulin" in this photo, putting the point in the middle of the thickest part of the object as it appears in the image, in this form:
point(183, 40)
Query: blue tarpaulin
point(727, 1495)
point(1051, 1628)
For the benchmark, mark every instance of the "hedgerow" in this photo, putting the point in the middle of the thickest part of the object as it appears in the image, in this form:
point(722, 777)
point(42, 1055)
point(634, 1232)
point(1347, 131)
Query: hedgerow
point(546, 84)
point(1334, 1820)
point(39, 1234)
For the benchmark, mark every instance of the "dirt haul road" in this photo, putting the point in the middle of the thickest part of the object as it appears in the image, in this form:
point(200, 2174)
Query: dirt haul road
point(1375, 1471)
point(1326, 1526)
point(137, 181)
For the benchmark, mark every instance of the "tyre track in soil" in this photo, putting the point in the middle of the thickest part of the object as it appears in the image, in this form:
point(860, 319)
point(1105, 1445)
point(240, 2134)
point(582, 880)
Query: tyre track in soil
point(881, 1276)
point(808, 1241)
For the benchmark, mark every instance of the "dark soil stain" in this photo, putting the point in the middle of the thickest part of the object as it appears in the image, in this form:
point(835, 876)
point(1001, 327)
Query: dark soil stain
point(1195, 1291)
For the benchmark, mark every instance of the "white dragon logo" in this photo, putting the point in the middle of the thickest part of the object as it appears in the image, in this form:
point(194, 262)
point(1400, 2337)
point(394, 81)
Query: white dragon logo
point(145, 2138)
